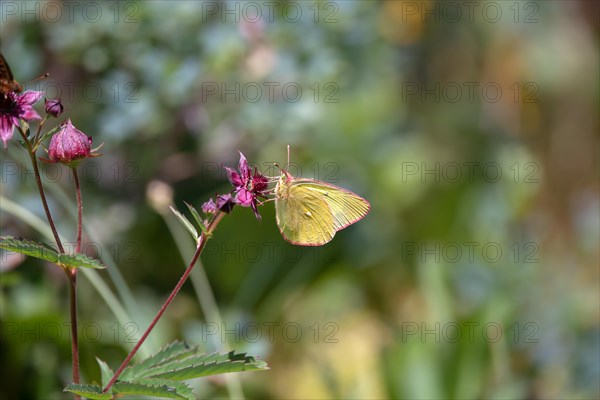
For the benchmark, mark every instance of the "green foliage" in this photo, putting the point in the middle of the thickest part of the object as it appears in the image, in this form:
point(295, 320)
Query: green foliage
point(29, 248)
point(45, 252)
point(89, 391)
point(186, 222)
point(154, 387)
point(159, 375)
point(196, 217)
point(177, 361)
point(79, 260)
point(105, 371)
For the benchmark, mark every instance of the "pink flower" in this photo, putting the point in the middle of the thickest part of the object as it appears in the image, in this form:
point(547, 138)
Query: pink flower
point(247, 188)
point(70, 145)
point(15, 106)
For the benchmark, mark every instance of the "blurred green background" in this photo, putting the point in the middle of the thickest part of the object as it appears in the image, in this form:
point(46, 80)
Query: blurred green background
point(471, 127)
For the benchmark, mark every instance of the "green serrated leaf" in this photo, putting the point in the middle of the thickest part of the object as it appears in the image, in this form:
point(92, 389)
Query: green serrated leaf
point(89, 391)
point(188, 225)
point(199, 365)
point(215, 368)
point(106, 372)
point(79, 260)
point(29, 248)
point(146, 389)
point(178, 361)
point(197, 217)
point(180, 388)
point(165, 354)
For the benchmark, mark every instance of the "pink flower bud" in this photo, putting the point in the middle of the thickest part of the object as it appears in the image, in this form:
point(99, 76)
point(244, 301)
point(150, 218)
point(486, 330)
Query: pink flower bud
point(70, 145)
point(54, 107)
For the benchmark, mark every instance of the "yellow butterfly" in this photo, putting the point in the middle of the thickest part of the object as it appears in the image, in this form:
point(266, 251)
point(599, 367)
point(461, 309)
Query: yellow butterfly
point(309, 212)
point(7, 81)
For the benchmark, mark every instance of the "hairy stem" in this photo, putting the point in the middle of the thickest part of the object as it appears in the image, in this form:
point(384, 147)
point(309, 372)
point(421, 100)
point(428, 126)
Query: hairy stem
point(201, 244)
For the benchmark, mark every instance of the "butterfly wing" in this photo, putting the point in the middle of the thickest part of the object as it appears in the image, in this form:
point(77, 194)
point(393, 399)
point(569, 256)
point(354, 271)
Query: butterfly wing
point(313, 211)
point(7, 81)
point(304, 218)
point(345, 206)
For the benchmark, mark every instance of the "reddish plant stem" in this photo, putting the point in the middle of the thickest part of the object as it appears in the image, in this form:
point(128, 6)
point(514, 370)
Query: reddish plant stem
point(38, 181)
point(201, 243)
point(79, 209)
point(72, 276)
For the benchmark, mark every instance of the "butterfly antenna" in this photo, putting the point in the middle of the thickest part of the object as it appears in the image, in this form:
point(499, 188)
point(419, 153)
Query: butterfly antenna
point(283, 171)
point(39, 78)
point(288, 159)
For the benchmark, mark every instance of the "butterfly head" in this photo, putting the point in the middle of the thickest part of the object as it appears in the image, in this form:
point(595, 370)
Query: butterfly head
point(283, 182)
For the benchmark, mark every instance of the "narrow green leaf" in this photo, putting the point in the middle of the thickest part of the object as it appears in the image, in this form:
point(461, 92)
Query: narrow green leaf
point(79, 260)
point(188, 225)
point(145, 389)
point(29, 248)
point(106, 372)
point(197, 217)
point(89, 391)
point(48, 134)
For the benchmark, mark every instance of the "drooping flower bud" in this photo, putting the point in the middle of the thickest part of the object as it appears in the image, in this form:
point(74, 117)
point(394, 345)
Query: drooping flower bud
point(54, 107)
point(225, 203)
point(70, 145)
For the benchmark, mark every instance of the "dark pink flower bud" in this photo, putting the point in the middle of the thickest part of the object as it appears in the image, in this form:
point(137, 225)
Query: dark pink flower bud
point(54, 107)
point(70, 145)
point(225, 203)
point(209, 207)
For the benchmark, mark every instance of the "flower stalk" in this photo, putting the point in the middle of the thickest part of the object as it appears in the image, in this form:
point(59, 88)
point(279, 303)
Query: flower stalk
point(72, 277)
point(79, 209)
point(202, 240)
point(38, 181)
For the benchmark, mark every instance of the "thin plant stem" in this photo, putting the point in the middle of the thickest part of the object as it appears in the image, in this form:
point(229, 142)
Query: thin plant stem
point(38, 181)
point(72, 276)
point(79, 209)
point(71, 273)
point(199, 248)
